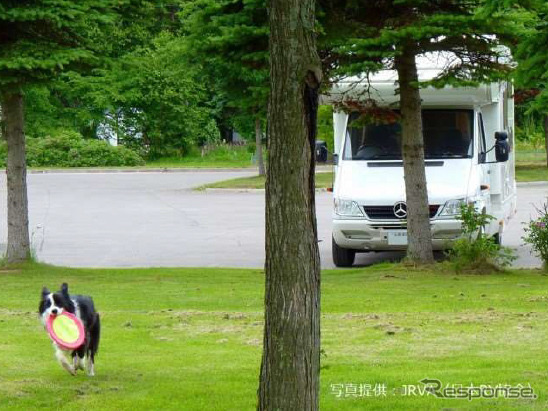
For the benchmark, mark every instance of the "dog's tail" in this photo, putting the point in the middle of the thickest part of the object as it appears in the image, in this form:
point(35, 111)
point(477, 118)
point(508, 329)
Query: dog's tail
point(95, 335)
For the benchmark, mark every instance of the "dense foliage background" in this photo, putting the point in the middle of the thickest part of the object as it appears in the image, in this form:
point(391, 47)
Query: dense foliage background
point(180, 76)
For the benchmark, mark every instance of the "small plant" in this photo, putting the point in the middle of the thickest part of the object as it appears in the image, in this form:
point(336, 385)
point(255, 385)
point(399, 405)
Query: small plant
point(475, 251)
point(536, 234)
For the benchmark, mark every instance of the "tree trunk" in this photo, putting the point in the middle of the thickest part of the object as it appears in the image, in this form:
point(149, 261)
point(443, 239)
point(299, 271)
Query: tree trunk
point(289, 378)
point(419, 249)
point(546, 137)
point(259, 146)
point(16, 170)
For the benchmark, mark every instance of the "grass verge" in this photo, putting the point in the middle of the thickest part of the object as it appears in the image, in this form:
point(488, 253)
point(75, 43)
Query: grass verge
point(323, 180)
point(526, 172)
point(190, 339)
point(223, 156)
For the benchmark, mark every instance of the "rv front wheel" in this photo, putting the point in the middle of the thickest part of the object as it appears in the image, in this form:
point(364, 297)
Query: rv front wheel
point(342, 257)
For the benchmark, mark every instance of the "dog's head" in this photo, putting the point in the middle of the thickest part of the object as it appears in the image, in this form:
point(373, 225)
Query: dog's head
point(55, 303)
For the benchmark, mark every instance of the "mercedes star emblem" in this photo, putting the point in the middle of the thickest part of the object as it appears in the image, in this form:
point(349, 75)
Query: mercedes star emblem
point(400, 209)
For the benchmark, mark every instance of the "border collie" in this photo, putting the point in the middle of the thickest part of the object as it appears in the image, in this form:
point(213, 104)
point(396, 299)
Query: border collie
point(81, 306)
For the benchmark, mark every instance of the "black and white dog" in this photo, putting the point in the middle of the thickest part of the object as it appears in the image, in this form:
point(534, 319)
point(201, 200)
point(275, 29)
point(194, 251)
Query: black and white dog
point(81, 306)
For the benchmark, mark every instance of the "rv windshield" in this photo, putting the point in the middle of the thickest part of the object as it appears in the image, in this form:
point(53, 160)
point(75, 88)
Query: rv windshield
point(447, 134)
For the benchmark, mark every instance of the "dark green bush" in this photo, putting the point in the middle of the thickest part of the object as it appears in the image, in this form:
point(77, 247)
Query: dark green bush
point(69, 149)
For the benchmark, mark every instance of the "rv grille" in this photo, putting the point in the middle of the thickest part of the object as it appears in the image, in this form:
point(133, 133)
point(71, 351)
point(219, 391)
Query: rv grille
point(387, 212)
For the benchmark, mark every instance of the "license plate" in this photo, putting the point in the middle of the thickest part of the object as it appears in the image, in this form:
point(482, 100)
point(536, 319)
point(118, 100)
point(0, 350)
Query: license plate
point(397, 237)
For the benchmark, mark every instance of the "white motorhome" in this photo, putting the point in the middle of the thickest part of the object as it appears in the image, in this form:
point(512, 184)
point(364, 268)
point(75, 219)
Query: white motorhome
point(461, 127)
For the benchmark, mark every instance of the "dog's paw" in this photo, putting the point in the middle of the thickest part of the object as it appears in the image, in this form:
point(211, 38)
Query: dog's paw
point(91, 370)
point(69, 368)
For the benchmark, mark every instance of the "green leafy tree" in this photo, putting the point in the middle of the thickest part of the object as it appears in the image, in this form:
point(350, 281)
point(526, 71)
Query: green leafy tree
point(390, 34)
point(38, 40)
point(532, 56)
point(88, 101)
point(228, 39)
point(155, 98)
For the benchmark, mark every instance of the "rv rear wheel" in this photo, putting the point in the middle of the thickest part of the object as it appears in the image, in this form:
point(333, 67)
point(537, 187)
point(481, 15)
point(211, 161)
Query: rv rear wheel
point(342, 257)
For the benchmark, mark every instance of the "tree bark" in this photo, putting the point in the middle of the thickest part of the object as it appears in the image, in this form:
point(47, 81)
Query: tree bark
point(289, 378)
point(546, 137)
point(259, 146)
point(419, 249)
point(16, 170)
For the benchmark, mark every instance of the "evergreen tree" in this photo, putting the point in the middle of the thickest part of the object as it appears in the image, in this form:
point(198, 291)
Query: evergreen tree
point(390, 34)
point(228, 39)
point(38, 39)
point(532, 56)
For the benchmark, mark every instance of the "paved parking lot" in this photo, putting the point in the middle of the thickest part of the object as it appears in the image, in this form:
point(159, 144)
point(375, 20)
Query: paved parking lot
point(156, 219)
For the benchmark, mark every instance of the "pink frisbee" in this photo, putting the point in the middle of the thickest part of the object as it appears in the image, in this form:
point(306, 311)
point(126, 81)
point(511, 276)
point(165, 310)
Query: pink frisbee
point(66, 330)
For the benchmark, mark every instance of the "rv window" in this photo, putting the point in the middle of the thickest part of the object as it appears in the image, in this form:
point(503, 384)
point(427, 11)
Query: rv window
point(447, 134)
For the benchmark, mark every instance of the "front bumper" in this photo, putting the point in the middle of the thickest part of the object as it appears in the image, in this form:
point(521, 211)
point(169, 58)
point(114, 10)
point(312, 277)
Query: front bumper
point(367, 235)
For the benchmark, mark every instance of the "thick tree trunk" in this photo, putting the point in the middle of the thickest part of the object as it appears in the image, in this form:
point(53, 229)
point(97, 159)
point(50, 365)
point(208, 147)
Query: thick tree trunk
point(259, 146)
point(289, 378)
point(546, 137)
point(419, 249)
point(16, 170)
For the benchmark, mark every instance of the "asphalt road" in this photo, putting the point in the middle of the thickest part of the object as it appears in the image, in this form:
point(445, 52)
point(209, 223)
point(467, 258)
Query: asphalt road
point(156, 219)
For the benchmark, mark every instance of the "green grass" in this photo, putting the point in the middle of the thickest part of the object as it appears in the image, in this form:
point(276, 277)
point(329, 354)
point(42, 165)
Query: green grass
point(530, 162)
point(537, 157)
point(190, 339)
point(527, 152)
point(323, 180)
point(220, 157)
point(531, 172)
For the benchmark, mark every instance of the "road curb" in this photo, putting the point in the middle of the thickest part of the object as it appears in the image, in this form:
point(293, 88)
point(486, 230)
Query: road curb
point(137, 170)
point(99, 170)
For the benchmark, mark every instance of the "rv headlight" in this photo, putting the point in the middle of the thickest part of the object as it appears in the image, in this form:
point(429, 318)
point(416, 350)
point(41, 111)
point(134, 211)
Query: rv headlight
point(347, 208)
point(452, 207)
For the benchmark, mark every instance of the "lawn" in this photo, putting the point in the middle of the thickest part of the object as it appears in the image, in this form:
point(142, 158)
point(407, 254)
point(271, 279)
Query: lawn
point(531, 172)
point(530, 163)
point(190, 339)
point(323, 180)
point(223, 156)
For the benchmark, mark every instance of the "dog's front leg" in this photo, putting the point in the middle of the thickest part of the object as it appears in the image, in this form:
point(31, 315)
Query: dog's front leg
point(90, 366)
point(61, 357)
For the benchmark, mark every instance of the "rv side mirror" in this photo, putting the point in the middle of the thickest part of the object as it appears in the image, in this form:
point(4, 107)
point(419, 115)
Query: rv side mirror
point(335, 159)
point(321, 151)
point(502, 147)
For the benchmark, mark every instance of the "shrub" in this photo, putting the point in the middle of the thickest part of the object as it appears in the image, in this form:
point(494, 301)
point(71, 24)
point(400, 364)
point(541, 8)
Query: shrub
point(536, 234)
point(475, 251)
point(69, 149)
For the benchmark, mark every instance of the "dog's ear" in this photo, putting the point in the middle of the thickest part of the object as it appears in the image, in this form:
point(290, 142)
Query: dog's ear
point(45, 292)
point(64, 289)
